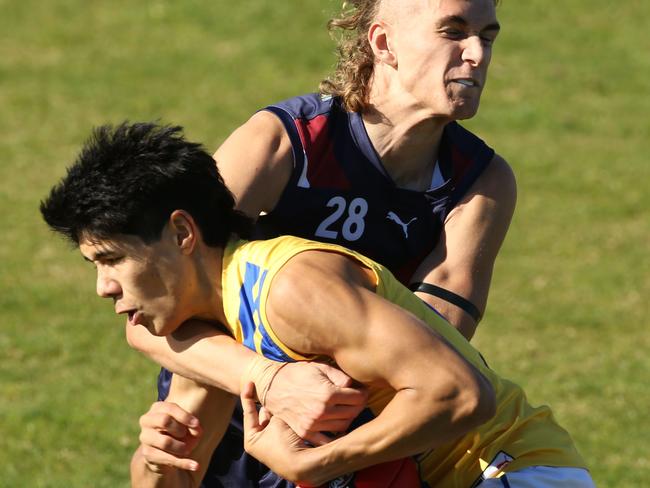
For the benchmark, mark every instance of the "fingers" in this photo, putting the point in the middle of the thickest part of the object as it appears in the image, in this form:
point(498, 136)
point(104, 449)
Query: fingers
point(330, 417)
point(159, 448)
point(345, 393)
point(160, 421)
point(251, 417)
point(163, 442)
point(308, 429)
point(311, 398)
point(155, 457)
point(345, 396)
point(335, 375)
point(168, 434)
point(171, 418)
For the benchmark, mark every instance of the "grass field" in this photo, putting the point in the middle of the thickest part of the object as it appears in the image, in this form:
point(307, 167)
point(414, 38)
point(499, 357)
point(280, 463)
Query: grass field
point(567, 104)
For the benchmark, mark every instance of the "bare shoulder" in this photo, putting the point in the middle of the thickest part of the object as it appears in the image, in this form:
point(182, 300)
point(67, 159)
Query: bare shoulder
point(309, 293)
point(319, 269)
point(269, 126)
point(498, 179)
point(255, 162)
point(494, 192)
point(261, 126)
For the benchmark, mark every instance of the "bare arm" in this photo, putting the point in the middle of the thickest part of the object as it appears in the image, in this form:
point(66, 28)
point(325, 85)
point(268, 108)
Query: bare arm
point(310, 397)
point(463, 260)
point(201, 352)
point(178, 436)
point(256, 163)
point(438, 397)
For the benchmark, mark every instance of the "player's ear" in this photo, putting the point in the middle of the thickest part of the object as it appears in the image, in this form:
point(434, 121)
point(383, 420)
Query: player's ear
point(184, 230)
point(380, 39)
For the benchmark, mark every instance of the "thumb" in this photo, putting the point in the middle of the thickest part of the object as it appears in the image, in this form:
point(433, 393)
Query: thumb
point(251, 416)
point(335, 376)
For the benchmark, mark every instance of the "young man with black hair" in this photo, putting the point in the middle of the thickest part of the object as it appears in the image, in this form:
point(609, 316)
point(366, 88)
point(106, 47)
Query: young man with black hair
point(150, 210)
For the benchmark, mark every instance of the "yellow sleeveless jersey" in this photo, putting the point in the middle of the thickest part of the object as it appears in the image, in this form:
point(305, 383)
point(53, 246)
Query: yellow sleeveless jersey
point(517, 436)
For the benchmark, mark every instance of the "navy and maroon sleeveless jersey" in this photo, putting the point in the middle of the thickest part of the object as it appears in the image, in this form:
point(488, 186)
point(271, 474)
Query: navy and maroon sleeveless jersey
point(339, 191)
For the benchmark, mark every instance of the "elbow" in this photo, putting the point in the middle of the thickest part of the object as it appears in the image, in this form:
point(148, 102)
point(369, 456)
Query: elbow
point(301, 471)
point(297, 476)
point(308, 477)
point(478, 403)
point(467, 401)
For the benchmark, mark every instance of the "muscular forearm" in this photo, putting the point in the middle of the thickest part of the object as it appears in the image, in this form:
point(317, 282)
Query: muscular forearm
point(457, 317)
point(204, 354)
point(144, 477)
point(473, 233)
point(404, 428)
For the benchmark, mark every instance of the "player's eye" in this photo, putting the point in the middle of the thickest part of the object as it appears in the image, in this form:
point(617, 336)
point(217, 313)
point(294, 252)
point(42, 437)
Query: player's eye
point(487, 41)
point(453, 33)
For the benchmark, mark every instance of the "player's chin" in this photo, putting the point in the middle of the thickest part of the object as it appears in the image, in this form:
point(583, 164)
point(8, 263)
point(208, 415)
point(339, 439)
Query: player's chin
point(160, 328)
point(465, 116)
point(463, 105)
point(465, 109)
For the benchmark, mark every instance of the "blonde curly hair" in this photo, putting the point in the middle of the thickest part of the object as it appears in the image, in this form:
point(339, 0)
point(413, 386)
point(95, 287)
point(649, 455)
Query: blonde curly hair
point(351, 79)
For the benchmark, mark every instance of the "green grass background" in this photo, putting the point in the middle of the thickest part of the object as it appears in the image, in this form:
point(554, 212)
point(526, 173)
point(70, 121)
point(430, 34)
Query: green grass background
point(567, 105)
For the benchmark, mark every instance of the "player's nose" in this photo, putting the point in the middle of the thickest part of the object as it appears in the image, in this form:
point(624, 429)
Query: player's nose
point(107, 286)
point(474, 51)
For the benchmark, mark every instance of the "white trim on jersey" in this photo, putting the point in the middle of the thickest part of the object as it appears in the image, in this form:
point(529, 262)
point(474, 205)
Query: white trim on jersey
point(303, 182)
point(436, 177)
point(542, 477)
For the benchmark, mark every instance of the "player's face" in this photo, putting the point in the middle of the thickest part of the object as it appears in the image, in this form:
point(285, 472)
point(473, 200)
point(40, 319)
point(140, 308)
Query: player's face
point(147, 282)
point(443, 53)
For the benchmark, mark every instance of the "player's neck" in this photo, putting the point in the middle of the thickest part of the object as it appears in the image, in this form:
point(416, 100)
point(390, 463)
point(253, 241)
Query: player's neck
point(406, 141)
point(208, 284)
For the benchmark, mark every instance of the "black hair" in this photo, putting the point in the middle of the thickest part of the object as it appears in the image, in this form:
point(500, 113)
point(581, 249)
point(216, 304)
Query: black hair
point(129, 178)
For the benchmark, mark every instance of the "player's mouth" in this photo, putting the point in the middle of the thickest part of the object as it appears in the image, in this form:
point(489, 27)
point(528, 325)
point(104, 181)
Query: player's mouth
point(134, 317)
point(468, 82)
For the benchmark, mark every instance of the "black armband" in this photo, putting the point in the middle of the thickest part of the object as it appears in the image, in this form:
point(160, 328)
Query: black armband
point(448, 296)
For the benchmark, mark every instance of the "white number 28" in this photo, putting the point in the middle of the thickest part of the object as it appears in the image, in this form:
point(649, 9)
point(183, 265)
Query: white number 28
point(353, 225)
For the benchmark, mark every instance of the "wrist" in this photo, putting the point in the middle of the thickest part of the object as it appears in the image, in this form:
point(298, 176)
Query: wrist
point(261, 372)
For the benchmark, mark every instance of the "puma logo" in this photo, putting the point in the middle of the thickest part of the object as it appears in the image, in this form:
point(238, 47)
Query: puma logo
point(393, 216)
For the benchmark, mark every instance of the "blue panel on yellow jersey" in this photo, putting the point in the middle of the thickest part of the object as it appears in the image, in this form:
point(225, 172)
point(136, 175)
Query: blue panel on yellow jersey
point(270, 349)
point(254, 335)
point(249, 303)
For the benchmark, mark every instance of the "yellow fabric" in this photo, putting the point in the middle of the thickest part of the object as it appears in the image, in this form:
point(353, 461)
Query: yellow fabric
point(517, 429)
